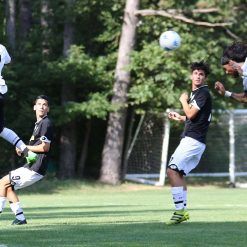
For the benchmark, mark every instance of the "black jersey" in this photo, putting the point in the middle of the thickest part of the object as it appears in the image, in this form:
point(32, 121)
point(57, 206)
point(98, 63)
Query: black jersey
point(197, 128)
point(43, 132)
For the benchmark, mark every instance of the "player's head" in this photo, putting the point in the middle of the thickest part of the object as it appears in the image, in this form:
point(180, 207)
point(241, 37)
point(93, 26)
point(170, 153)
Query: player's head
point(200, 66)
point(199, 73)
point(234, 53)
point(42, 96)
point(41, 105)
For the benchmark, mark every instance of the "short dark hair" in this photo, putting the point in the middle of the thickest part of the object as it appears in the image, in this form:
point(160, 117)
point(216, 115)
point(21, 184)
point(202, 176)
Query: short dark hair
point(42, 96)
point(200, 66)
point(237, 52)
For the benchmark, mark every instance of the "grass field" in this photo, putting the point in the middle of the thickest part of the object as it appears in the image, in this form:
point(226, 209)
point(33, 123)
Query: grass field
point(85, 214)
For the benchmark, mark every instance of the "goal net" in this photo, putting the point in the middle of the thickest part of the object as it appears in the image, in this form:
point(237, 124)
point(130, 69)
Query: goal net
point(155, 139)
point(147, 154)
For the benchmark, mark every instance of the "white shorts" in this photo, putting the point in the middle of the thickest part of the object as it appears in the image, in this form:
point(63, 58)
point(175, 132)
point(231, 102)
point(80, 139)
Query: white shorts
point(23, 177)
point(187, 155)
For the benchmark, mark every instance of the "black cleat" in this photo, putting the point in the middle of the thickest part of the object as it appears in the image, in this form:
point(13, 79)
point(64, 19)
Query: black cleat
point(19, 222)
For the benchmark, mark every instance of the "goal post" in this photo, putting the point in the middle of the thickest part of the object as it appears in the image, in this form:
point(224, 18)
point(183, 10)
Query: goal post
point(153, 141)
point(148, 150)
point(164, 152)
point(238, 148)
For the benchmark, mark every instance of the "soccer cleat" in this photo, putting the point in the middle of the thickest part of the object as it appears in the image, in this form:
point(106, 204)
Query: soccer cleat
point(178, 217)
point(31, 157)
point(19, 222)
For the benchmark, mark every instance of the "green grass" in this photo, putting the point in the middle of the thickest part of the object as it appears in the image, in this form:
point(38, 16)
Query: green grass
point(87, 214)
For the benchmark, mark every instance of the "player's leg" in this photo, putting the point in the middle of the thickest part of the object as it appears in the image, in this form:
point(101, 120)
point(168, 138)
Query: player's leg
point(20, 178)
point(177, 183)
point(3, 193)
point(7, 192)
point(10, 136)
point(185, 158)
point(15, 207)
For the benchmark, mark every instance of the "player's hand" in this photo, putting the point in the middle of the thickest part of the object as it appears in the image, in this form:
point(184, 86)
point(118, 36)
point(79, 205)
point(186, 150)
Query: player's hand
point(174, 116)
point(220, 88)
point(18, 151)
point(236, 67)
point(184, 97)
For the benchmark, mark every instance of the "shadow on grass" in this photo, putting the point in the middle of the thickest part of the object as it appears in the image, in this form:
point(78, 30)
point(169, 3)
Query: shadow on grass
point(94, 212)
point(128, 234)
point(53, 185)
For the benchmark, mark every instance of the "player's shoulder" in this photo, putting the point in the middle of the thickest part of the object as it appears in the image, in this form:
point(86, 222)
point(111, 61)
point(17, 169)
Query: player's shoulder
point(46, 121)
point(204, 90)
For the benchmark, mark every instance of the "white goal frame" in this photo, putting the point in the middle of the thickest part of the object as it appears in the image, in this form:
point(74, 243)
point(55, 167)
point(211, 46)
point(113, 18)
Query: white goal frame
point(149, 178)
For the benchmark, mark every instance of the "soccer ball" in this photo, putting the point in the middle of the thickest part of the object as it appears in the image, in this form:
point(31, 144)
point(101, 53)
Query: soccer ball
point(170, 40)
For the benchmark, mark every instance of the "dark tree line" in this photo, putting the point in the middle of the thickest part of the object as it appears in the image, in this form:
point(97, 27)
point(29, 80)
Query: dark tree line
point(98, 60)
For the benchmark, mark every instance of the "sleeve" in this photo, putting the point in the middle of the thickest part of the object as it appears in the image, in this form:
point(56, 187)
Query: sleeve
point(5, 57)
point(245, 83)
point(244, 76)
point(46, 133)
point(200, 100)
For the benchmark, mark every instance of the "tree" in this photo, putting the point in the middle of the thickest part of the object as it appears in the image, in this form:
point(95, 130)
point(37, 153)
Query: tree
point(68, 132)
point(45, 27)
point(113, 147)
point(10, 22)
point(25, 16)
point(149, 91)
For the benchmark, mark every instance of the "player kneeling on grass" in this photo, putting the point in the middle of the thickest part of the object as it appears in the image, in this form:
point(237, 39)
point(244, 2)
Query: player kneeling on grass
point(197, 109)
point(27, 175)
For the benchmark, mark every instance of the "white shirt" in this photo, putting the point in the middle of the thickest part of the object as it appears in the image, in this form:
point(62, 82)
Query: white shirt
point(5, 59)
point(244, 76)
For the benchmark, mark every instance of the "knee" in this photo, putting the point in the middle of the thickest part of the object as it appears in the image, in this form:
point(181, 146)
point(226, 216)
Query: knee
point(4, 181)
point(170, 172)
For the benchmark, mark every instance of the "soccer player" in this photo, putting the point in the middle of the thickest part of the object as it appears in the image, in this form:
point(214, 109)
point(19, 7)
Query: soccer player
point(197, 116)
point(8, 134)
point(234, 62)
point(28, 174)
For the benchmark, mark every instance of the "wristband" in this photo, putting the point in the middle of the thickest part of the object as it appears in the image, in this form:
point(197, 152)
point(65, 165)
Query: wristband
point(228, 94)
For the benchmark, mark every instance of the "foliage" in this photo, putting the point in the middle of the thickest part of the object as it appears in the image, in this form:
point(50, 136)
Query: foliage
point(158, 77)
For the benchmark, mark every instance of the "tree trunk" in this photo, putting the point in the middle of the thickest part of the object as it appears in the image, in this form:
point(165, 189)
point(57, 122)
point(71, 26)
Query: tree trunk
point(68, 132)
point(10, 23)
point(113, 147)
point(25, 16)
point(44, 22)
point(84, 150)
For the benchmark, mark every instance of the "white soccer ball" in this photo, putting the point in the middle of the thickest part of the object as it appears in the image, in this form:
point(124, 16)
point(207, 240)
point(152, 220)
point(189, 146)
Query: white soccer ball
point(169, 40)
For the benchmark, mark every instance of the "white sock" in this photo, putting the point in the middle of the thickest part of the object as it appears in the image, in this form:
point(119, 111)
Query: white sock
point(17, 210)
point(185, 198)
point(2, 203)
point(10, 136)
point(177, 194)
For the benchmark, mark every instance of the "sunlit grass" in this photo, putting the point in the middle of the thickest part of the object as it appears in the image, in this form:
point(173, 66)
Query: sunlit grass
point(73, 213)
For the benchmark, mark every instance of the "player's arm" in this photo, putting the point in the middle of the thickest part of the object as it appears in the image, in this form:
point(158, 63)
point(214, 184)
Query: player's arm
point(43, 147)
point(236, 66)
point(176, 116)
point(240, 97)
point(190, 110)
